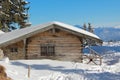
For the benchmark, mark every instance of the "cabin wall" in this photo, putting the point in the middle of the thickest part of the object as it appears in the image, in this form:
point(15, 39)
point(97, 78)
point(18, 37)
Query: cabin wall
point(14, 51)
point(1, 54)
point(67, 45)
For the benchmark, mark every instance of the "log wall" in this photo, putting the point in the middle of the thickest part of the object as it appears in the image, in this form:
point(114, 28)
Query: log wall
point(67, 46)
point(14, 55)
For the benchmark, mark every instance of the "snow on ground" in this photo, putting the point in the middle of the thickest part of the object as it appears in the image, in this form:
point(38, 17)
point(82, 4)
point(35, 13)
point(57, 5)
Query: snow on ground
point(46, 69)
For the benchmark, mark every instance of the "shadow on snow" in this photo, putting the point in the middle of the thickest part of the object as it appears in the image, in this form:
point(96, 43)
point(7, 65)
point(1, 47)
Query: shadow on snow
point(85, 73)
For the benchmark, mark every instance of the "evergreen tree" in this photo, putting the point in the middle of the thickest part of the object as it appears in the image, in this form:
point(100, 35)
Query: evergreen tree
point(13, 14)
point(84, 27)
point(90, 29)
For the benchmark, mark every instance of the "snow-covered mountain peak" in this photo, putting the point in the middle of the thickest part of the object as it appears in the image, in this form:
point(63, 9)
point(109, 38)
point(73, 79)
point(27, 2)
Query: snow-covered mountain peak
point(118, 26)
point(116, 43)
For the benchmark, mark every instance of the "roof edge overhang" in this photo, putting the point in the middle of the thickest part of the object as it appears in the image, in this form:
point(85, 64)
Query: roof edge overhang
point(19, 38)
point(47, 27)
point(98, 40)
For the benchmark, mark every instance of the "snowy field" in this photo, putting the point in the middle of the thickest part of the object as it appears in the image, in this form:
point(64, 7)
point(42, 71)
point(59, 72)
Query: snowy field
point(46, 69)
point(62, 70)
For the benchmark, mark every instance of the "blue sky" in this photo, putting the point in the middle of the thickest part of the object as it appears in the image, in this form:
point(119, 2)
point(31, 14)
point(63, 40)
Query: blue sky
point(97, 12)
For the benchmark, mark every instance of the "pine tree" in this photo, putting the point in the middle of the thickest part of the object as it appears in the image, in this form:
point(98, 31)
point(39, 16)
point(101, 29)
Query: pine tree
point(90, 29)
point(84, 27)
point(13, 14)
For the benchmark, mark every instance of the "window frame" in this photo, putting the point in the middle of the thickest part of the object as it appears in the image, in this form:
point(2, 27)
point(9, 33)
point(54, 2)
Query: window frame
point(48, 50)
point(14, 49)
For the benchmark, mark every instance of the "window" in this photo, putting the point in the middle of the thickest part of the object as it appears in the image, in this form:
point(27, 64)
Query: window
point(14, 49)
point(47, 50)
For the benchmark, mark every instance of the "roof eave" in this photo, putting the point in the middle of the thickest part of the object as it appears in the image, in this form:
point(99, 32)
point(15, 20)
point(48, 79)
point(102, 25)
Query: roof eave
point(98, 40)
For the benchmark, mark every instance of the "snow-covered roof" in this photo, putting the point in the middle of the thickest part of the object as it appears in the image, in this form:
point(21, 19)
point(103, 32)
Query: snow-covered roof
point(76, 29)
point(17, 35)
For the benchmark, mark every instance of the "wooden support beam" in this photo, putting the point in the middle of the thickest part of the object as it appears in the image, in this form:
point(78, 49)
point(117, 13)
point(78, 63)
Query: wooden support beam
point(53, 30)
point(24, 48)
point(100, 61)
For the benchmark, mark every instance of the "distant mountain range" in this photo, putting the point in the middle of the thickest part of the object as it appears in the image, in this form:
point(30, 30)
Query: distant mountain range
point(107, 33)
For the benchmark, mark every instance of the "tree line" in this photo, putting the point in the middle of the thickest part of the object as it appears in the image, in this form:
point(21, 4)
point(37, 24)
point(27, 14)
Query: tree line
point(89, 28)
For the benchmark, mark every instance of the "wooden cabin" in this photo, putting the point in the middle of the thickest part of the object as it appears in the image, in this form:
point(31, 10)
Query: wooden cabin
point(54, 40)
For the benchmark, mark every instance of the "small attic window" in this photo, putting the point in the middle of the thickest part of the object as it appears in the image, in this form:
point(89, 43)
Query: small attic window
point(57, 30)
point(15, 49)
point(54, 30)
